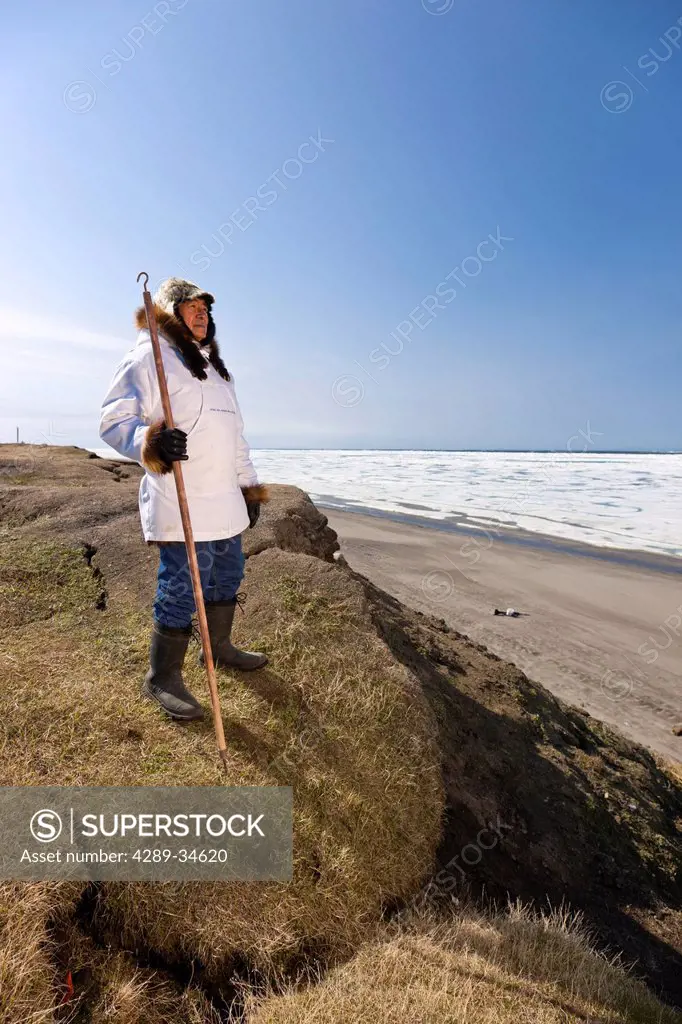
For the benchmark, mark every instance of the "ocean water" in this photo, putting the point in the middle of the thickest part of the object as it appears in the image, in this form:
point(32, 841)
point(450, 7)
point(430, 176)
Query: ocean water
point(609, 500)
point(630, 501)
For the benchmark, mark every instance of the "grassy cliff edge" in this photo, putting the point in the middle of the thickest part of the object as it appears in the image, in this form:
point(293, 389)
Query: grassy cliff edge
point(430, 778)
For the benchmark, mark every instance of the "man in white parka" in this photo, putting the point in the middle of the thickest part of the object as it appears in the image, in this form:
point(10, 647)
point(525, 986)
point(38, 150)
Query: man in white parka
point(222, 488)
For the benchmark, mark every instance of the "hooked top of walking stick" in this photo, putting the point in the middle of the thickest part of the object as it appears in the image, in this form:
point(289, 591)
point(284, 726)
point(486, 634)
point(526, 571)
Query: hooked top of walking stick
point(145, 275)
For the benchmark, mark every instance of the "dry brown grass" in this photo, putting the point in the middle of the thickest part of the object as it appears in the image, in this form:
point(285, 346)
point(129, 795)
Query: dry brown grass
point(110, 987)
point(29, 977)
point(424, 967)
point(40, 943)
point(131, 996)
point(514, 968)
point(362, 705)
point(673, 768)
point(334, 714)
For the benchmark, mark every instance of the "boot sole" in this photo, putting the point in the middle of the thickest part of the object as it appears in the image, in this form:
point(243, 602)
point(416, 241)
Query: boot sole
point(171, 714)
point(225, 664)
point(242, 668)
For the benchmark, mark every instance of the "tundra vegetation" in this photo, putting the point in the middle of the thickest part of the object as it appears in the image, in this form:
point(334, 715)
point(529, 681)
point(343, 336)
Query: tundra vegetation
point(467, 847)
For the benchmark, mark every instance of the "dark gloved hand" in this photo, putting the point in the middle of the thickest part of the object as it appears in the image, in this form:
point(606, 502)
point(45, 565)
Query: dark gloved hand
point(253, 508)
point(173, 445)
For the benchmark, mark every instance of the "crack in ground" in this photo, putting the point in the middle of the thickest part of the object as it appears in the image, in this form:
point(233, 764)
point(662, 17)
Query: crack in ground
point(89, 551)
point(307, 965)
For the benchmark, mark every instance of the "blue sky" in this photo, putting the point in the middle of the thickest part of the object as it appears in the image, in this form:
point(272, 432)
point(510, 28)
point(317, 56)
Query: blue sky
point(142, 135)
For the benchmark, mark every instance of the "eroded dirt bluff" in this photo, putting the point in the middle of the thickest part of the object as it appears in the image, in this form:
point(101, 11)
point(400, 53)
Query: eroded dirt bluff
point(73, 496)
point(542, 802)
point(334, 714)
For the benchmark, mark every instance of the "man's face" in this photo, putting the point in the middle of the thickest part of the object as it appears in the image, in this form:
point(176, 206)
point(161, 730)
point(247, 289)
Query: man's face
point(195, 315)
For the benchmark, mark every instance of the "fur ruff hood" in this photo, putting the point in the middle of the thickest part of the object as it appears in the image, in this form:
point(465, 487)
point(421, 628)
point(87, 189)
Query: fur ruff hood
point(180, 337)
point(176, 332)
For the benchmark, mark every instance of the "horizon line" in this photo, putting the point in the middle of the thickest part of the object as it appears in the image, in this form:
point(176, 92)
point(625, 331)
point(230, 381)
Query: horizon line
point(482, 451)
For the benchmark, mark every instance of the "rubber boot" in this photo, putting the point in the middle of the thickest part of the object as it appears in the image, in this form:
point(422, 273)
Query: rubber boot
point(220, 615)
point(163, 682)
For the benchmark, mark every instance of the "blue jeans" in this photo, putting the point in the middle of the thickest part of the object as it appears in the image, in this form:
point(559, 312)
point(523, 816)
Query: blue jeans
point(221, 568)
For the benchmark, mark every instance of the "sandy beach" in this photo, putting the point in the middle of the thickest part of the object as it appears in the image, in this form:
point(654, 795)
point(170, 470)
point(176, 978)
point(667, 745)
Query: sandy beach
point(593, 626)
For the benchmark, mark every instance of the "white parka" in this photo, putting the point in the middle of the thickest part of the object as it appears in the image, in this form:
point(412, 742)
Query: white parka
point(219, 462)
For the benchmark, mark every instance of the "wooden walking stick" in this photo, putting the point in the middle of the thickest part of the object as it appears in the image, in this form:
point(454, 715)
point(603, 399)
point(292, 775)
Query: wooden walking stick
point(186, 527)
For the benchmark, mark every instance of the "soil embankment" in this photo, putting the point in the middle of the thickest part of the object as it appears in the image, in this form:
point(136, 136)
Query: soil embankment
point(421, 763)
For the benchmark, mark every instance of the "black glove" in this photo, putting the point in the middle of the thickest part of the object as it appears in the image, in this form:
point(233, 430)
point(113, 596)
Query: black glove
point(173, 445)
point(253, 508)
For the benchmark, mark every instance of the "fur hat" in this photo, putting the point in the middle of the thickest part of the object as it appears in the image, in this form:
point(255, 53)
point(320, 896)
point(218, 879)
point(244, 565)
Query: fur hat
point(166, 301)
point(174, 291)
